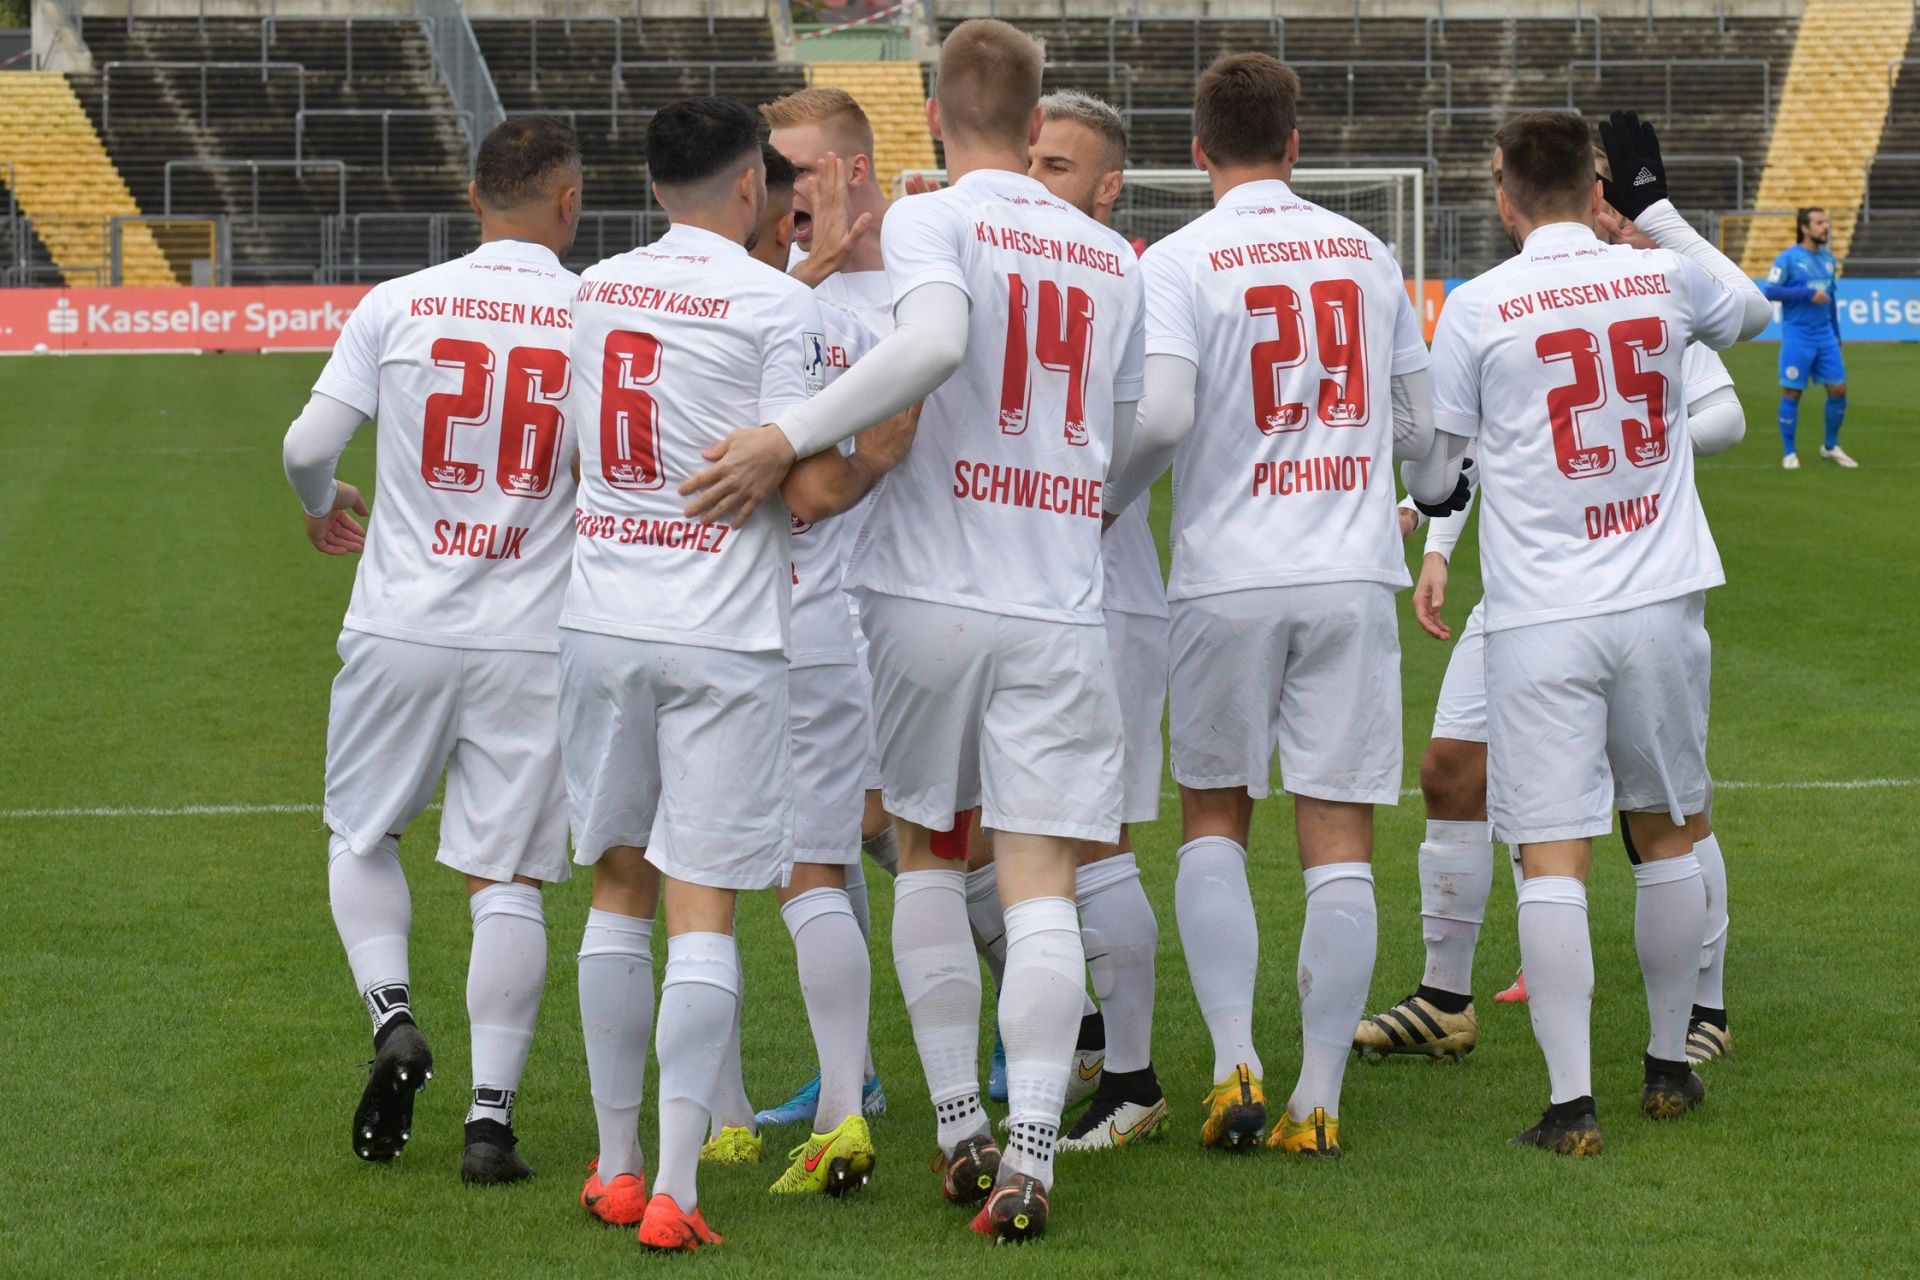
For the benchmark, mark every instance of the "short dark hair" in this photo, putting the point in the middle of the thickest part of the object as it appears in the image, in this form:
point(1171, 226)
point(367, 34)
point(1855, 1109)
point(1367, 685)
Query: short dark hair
point(696, 138)
point(1803, 217)
point(780, 171)
point(1546, 162)
point(519, 158)
point(1245, 106)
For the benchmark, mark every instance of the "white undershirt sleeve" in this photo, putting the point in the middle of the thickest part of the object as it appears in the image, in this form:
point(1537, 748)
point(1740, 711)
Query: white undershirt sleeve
point(1165, 419)
point(927, 345)
point(1443, 532)
point(1432, 479)
point(1664, 225)
point(1412, 415)
point(313, 447)
point(1716, 422)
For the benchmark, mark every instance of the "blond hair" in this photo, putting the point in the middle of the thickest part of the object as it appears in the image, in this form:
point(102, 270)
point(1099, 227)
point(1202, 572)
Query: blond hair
point(827, 107)
point(989, 82)
point(1091, 113)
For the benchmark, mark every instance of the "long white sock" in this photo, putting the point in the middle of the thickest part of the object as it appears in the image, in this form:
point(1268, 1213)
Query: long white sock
point(1120, 936)
point(372, 911)
point(940, 982)
point(1558, 957)
point(1456, 878)
point(884, 849)
point(729, 1107)
point(1214, 907)
point(616, 1018)
point(857, 900)
point(836, 981)
point(1669, 929)
point(699, 998)
point(506, 976)
point(1046, 982)
point(1710, 993)
point(988, 924)
point(1337, 945)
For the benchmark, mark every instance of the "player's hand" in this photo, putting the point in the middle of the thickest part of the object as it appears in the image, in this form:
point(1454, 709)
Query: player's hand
point(1820, 298)
point(1409, 521)
point(834, 234)
point(1455, 501)
point(881, 448)
point(337, 533)
point(747, 469)
point(1621, 230)
point(919, 184)
point(1639, 178)
point(1429, 594)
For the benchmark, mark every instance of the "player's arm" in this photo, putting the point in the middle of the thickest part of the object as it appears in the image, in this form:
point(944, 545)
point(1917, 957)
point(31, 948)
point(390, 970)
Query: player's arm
point(1164, 418)
point(1715, 419)
point(310, 454)
point(1430, 592)
point(830, 482)
point(1633, 148)
point(1780, 286)
point(1441, 481)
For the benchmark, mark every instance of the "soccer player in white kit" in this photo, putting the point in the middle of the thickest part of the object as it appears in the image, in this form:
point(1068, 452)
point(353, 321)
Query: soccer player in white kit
point(1565, 362)
point(448, 646)
point(674, 702)
point(980, 582)
point(1456, 859)
point(1286, 364)
point(1081, 156)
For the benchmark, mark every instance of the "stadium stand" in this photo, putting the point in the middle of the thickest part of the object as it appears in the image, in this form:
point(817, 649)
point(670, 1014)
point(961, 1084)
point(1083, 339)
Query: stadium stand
point(1886, 236)
point(894, 96)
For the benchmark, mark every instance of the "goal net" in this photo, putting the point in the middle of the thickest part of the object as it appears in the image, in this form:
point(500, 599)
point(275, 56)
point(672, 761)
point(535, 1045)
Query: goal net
point(1388, 202)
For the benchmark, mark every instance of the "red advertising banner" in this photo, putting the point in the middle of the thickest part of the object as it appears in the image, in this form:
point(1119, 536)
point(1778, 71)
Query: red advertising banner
point(269, 318)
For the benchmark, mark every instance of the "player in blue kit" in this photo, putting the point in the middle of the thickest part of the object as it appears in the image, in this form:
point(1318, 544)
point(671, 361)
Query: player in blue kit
point(1804, 282)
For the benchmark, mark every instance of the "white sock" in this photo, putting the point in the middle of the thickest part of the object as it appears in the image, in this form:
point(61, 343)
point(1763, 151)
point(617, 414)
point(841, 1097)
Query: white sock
point(837, 983)
point(940, 982)
point(988, 925)
point(372, 911)
point(1669, 928)
point(616, 1018)
point(699, 999)
point(1046, 981)
point(729, 1107)
point(857, 899)
point(506, 976)
point(1120, 936)
point(884, 849)
point(1456, 878)
point(1557, 955)
point(1214, 907)
point(1710, 993)
point(1337, 945)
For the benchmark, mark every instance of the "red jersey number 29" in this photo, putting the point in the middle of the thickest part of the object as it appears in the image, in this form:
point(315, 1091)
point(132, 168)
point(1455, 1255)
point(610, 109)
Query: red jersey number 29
point(1339, 330)
point(531, 424)
point(1643, 437)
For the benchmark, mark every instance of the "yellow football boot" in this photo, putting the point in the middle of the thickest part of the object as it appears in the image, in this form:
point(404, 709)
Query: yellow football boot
point(736, 1144)
point(1317, 1135)
point(1236, 1112)
point(834, 1163)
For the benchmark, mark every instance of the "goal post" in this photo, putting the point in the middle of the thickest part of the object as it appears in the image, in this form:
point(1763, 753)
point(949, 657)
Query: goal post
point(1390, 203)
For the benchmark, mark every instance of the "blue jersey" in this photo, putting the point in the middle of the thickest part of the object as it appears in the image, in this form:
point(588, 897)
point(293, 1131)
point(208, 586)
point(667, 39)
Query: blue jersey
point(1796, 274)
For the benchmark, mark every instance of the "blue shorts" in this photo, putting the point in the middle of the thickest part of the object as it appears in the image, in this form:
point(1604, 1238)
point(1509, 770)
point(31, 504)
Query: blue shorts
point(1805, 360)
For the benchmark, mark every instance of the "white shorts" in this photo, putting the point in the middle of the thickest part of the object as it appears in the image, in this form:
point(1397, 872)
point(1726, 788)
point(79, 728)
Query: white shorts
point(403, 713)
point(1138, 644)
point(1589, 715)
point(1312, 671)
point(870, 779)
point(679, 749)
point(1015, 715)
point(830, 736)
point(1461, 713)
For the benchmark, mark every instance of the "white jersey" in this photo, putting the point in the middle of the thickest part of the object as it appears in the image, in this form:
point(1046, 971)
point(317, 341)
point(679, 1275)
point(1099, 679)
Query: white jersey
point(677, 345)
point(823, 628)
point(1296, 320)
point(997, 505)
point(1133, 565)
point(860, 298)
point(1567, 362)
point(465, 366)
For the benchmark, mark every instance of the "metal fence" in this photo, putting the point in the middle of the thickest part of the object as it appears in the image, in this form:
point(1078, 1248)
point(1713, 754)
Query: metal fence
point(462, 67)
point(386, 117)
point(264, 67)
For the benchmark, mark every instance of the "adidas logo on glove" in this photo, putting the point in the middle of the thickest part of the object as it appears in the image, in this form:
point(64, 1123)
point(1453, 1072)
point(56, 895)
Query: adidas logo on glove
point(1646, 176)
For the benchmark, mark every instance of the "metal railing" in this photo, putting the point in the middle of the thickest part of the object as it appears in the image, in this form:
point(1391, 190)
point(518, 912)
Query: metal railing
point(264, 68)
point(1115, 72)
point(1667, 65)
point(533, 39)
point(1276, 27)
point(253, 167)
point(1722, 157)
point(713, 70)
point(269, 31)
point(574, 115)
point(1866, 193)
point(1426, 66)
point(385, 115)
point(462, 67)
point(1438, 22)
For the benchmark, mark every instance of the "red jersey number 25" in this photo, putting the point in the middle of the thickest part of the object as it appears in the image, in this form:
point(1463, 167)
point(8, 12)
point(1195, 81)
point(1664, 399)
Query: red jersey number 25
point(1643, 437)
point(531, 424)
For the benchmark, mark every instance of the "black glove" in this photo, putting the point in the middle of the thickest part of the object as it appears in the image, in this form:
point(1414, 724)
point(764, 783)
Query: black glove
point(1456, 501)
point(1633, 154)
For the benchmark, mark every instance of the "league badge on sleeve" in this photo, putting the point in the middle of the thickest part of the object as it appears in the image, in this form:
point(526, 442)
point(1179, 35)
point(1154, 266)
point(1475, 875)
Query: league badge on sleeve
point(813, 348)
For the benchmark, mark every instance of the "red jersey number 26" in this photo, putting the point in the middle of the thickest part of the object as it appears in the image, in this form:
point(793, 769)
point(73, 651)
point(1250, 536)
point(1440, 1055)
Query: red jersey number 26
point(530, 419)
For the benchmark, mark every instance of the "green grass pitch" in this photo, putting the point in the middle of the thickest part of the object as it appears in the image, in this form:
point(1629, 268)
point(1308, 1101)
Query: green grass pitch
point(182, 1046)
